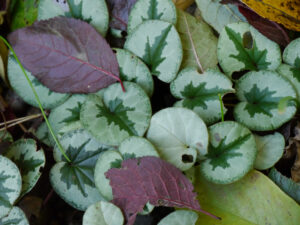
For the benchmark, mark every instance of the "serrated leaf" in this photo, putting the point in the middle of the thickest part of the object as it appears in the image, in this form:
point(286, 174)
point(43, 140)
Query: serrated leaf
point(15, 217)
point(218, 15)
point(179, 135)
point(234, 55)
point(154, 42)
point(180, 217)
point(74, 181)
point(151, 10)
point(60, 54)
point(260, 93)
point(30, 161)
point(10, 185)
point(199, 92)
point(156, 181)
point(291, 54)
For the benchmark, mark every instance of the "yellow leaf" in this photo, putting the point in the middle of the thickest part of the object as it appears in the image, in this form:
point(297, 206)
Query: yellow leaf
point(285, 12)
point(183, 4)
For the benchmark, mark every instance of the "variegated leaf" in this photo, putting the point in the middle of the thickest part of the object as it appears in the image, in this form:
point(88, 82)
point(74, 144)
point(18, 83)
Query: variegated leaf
point(15, 217)
point(231, 153)
point(30, 161)
point(291, 54)
point(117, 115)
point(200, 92)
point(179, 135)
point(103, 213)
point(219, 15)
point(74, 181)
point(158, 44)
point(10, 185)
point(143, 10)
point(19, 83)
point(180, 217)
point(94, 12)
point(133, 69)
point(5, 136)
point(260, 93)
point(42, 134)
point(270, 149)
point(241, 47)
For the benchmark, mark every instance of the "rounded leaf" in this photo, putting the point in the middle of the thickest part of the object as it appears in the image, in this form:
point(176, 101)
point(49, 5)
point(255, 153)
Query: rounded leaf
point(19, 83)
point(231, 153)
point(270, 149)
point(200, 92)
point(42, 134)
point(151, 10)
point(133, 69)
point(180, 217)
point(259, 93)
point(10, 185)
point(29, 160)
point(15, 217)
point(241, 47)
point(291, 54)
point(74, 181)
point(118, 114)
point(179, 135)
point(103, 213)
point(158, 44)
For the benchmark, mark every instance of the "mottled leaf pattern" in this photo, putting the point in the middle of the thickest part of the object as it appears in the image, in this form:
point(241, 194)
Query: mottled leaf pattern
point(180, 217)
point(291, 54)
point(15, 217)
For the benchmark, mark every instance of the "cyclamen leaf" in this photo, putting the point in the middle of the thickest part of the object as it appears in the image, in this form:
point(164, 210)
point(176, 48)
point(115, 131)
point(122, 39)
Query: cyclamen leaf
point(150, 179)
point(66, 55)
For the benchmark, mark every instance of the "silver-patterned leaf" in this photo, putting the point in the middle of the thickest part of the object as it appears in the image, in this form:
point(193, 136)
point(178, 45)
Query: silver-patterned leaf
point(158, 44)
point(291, 54)
point(42, 134)
point(15, 217)
point(180, 217)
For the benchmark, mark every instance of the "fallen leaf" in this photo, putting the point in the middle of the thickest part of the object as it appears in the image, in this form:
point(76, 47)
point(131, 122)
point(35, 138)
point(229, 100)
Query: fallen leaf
point(295, 170)
point(183, 4)
point(66, 55)
point(150, 179)
point(285, 12)
point(31, 205)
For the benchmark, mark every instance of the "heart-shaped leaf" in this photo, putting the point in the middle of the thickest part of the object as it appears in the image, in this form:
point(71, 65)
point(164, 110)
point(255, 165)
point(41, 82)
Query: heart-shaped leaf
point(260, 93)
point(15, 217)
point(151, 10)
point(179, 135)
point(155, 42)
point(218, 15)
point(18, 81)
point(241, 47)
point(103, 213)
point(231, 153)
point(30, 161)
point(133, 69)
point(199, 44)
point(66, 55)
point(291, 54)
point(200, 92)
point(74, 181)
point(10, 185)
point(92, 11)
point(180, 217)
point(117, 115)
point(270, 149)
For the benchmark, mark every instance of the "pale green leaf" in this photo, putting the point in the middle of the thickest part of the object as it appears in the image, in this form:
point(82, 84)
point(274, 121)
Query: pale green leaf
point(15, 217)
point(291, 54)
point(180, 217)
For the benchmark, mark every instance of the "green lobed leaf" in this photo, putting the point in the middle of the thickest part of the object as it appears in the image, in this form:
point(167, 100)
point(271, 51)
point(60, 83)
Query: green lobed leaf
point(180, 217)
point(199, 92)
point(260, 93)
point(241, 47)
point(291, 54)
point(15, 217)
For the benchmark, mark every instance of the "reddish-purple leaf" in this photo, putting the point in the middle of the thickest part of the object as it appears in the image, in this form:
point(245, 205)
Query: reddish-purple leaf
point(120, 10)
point(66, 55)
point(150, 179)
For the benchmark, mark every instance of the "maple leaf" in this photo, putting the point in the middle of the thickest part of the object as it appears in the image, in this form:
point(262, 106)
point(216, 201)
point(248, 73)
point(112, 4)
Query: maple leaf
point(150, 179)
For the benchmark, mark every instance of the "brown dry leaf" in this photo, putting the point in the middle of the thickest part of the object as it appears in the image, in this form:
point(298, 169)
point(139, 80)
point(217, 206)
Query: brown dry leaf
point(285, 12)
point(3, 61)
point(31, 205)
point(295, 171)
point(183, 4)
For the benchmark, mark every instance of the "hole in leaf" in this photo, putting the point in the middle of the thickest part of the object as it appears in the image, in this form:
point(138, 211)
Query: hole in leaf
point(187, 158)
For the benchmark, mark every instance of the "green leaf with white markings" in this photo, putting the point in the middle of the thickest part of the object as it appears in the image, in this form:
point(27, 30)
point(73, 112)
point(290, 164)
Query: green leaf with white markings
point(260, 93)
point(200, 92)
point(199, 44)
point(158, 44)
point(179, 136)
point(180, 217)
point(241, 47)
point(42, 134)
point(134, 70)
point(74, 181)
point(15, 217)
point(144, 10)
point(231, 153)
point(117, 115)
point(291, 54)
point(10, 185)
point(29, 160)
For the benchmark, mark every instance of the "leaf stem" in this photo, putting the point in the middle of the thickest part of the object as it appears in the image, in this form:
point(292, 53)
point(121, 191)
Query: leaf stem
point(37, 99)
point(221, 105)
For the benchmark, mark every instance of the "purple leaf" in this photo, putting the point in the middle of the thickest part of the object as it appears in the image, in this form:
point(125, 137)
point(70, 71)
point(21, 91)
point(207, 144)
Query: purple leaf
point(150, 179)
point(66, 55)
